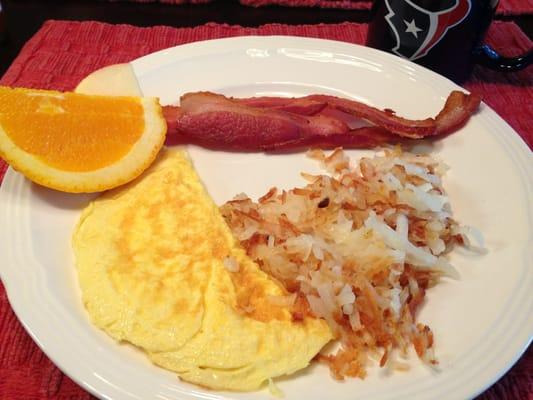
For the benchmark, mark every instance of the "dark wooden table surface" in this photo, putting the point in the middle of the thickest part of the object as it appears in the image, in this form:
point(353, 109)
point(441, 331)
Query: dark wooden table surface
point(22, 18)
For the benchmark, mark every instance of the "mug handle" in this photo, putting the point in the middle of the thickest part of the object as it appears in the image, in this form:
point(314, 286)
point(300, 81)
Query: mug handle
point(488, 57)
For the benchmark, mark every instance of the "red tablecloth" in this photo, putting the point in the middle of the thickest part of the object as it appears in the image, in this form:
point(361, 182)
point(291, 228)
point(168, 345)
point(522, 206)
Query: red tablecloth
point(62, 53)
point(505, 7)
point(515, 7)
point(340, 4)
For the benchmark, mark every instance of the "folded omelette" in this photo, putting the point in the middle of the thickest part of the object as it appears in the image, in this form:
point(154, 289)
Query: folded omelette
point(152, 259)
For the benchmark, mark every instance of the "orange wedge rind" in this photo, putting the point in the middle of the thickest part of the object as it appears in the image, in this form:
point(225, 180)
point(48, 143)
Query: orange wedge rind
point(79, 143)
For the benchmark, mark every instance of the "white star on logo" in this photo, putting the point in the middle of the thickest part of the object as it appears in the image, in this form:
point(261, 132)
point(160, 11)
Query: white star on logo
point(412, 28)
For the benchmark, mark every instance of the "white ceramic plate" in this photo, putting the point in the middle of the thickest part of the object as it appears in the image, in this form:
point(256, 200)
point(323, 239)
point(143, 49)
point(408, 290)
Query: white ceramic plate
point(482, 322)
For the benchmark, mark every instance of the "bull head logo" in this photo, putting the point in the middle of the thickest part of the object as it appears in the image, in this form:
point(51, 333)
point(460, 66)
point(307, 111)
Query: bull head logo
point(417, 29)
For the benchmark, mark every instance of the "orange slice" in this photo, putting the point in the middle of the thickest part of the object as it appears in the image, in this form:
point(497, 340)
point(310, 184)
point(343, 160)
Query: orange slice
point(79, 143)
point(112, 80)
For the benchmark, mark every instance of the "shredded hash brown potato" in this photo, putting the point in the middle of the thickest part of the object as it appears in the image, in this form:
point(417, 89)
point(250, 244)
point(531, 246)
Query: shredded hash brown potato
point(358, 247)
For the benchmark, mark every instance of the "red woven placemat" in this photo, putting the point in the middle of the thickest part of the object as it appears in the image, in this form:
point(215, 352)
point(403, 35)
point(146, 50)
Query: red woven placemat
point(505, 7)
point(178, 2)
point(61, 53)
point(515, 7)
point(339, 4)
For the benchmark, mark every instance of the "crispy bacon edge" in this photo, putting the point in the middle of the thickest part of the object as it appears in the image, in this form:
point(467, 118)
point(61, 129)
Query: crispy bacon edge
point(275, 123)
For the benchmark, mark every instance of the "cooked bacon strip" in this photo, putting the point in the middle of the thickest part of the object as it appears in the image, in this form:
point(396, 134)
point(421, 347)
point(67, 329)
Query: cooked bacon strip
point(361, 138)
point(274, 123)
point(301, 106)
point(387, 119)
point(458, 108)
point(213, 120)
point(172, 114)
point(310, 105)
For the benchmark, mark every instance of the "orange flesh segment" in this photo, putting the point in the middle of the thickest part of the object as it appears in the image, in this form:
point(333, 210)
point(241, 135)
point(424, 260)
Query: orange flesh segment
point(59, 129)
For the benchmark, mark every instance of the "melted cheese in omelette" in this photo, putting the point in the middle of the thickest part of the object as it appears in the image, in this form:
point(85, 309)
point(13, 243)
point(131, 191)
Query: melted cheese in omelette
point(150, 258)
